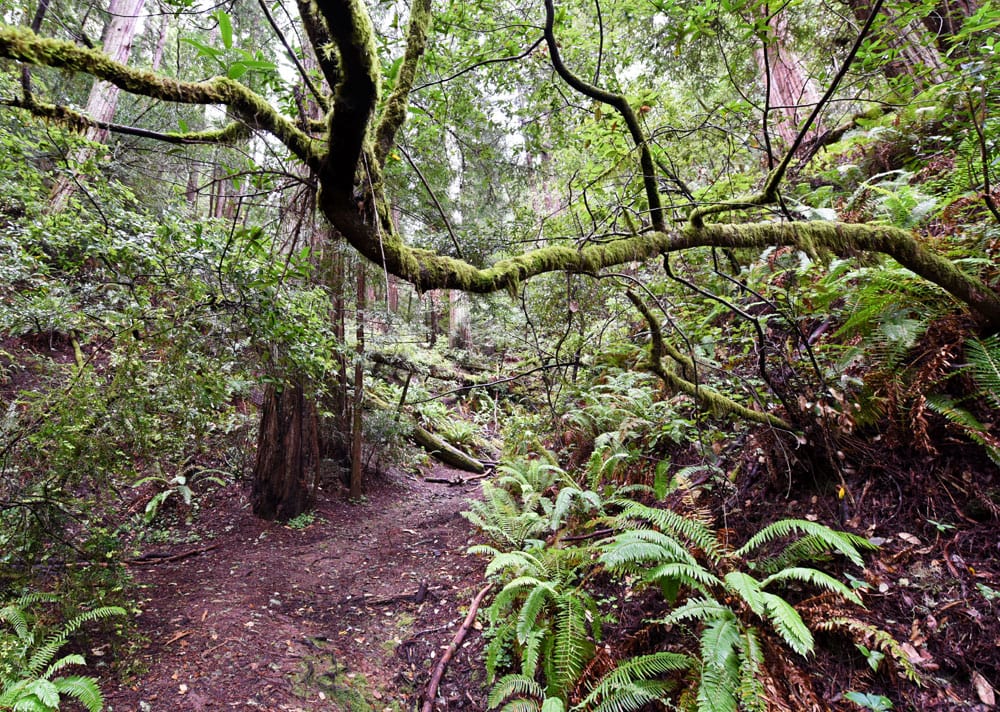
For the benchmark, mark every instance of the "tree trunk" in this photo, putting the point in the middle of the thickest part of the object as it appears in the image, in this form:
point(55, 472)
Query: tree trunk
point(357, 434)
point(287, 467)
point(792, 93)
point(915, 58)
point(946, 20)
point(117, 41)
point(459, 327)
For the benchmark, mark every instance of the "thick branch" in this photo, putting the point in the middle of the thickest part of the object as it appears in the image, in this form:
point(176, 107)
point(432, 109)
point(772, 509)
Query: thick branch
point(355, 97)
point(78, 121)
point(428, 270)
point(24, 45)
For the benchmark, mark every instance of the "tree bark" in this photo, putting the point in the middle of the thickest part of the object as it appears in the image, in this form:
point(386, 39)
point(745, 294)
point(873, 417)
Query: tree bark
point(287, 465)
point(117, 39)
point(792, 93)
point(357, 434)
point(917, 59)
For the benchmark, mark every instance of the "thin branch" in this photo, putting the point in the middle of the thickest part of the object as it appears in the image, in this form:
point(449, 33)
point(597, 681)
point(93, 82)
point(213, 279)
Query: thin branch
point(433, 196)
point(485, 62)
point(320, 98)
point(769, 192)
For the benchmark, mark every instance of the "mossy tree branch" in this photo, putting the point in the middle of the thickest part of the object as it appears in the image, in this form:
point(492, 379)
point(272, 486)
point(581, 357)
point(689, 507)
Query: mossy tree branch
point(78, 121)
point(718, 404)
point(24, 45)
point(394, 113)
point(621, 105)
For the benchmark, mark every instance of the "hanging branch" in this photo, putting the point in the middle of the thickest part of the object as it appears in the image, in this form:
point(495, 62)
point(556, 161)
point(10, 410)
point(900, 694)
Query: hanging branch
point(710, 398)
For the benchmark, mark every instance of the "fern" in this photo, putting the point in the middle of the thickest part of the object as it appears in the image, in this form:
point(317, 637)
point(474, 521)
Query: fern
point(967, 423)
point(841, 542)
point(27, 681)
point(876, 639)
point(513, 686)
point(984, 362)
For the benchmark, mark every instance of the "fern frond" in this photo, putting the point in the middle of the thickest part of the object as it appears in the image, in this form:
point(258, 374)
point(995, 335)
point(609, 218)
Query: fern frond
point(531, 651)
point(65, 661)
point(694, 531)
point(968, 423)
point(533, 605)
point(842, 542)
point(874, 638)
point(816, 578)
point(747, 588)
point(697, 609)
point(513, 685)
point(717, 690)
point(751, 692)
point(83, 689)
point(519, 562)
point(788, 623)
point(719, 641)
point(984, 360)
point(503, 638)
point(696, 576)
point(571, 648)
point(521, 705)
point(640, 546)
point(18, 620)
point(631, 697)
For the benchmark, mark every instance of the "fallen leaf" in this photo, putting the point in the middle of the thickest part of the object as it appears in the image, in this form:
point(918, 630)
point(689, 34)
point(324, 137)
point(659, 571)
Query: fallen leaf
point(984, 690)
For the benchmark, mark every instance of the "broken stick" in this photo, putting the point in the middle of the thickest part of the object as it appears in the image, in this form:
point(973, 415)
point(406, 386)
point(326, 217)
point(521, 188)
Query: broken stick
point(431, 692)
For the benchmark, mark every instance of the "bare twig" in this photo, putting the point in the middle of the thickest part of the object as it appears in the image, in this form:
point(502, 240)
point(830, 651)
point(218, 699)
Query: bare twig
point(431, 692)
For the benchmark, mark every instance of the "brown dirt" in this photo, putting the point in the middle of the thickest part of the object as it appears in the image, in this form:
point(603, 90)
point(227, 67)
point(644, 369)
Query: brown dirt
point(322, 618)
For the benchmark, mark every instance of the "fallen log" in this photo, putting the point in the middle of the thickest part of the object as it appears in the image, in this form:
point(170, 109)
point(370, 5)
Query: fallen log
point(445, 452)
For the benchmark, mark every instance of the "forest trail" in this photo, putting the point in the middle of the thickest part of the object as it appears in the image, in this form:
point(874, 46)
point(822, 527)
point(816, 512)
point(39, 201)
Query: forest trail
point(321, 618)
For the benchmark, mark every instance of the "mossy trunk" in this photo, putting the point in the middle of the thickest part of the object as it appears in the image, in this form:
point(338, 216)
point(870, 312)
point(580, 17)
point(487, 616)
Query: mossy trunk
point(286, 470)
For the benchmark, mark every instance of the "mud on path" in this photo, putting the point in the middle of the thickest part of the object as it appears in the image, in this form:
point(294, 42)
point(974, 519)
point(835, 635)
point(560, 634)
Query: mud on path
point(350, 613)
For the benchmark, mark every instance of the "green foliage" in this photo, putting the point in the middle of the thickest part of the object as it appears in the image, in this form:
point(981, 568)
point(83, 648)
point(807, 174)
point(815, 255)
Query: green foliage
point(682, 554)
point(28, 662)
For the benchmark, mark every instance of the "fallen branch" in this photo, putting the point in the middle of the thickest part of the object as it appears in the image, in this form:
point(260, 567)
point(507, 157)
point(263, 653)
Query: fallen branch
point(431, 692)
point(458, 480)
point(446, 453)
point(164, 558)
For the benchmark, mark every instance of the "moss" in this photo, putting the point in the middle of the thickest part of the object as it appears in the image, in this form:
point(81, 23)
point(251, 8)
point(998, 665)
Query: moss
point(24, 45)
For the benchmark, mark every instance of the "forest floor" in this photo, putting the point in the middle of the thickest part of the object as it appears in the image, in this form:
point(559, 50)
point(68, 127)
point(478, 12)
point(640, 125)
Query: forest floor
point(247, 614)
point(353, 612)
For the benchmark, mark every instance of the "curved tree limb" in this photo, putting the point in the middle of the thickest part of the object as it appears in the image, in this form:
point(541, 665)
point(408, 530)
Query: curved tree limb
point(706, 396)
point(24, 45)
point(620, 103)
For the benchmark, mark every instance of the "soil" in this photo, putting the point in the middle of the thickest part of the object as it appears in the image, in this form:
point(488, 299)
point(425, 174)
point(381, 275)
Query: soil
point(351, 612)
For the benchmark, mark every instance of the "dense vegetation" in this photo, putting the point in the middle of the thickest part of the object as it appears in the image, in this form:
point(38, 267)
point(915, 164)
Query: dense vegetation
point(663, 263)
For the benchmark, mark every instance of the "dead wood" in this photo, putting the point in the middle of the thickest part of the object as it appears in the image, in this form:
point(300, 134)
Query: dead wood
point(431, 692)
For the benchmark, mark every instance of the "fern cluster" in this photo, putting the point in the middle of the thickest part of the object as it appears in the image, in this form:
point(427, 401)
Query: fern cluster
point(545, 623)
point(28, 663)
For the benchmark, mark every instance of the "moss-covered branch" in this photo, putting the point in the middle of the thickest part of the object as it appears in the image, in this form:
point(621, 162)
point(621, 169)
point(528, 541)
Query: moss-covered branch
point(709, 398)
point(78, 121)
point(428, 270)
point(356, 95)
point(24, 45)
point(394, 112)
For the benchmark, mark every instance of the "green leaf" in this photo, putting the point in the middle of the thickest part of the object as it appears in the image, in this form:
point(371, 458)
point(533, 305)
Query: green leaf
point(225, 28)
point(203, 49)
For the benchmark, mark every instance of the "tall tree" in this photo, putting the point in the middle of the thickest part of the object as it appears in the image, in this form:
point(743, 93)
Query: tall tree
point(124, 21)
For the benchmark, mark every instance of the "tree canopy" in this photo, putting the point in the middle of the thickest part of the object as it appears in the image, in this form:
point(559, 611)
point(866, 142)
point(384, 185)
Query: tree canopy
point(372, 71)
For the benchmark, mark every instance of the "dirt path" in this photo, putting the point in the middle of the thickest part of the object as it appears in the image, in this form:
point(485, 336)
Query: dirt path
point(350, 613)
